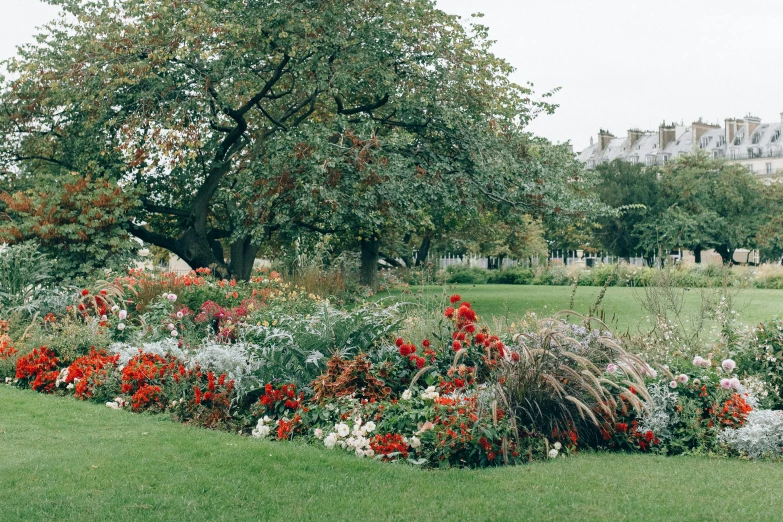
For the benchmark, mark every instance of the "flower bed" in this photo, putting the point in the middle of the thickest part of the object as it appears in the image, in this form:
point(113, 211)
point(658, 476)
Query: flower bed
point(271, 361)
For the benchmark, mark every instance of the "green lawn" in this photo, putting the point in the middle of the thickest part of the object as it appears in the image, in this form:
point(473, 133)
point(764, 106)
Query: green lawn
point(621, 304)
point(61, 459)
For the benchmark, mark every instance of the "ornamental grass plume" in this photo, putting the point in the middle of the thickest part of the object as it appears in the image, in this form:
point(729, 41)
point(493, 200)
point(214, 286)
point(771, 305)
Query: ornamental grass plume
point(560, 385)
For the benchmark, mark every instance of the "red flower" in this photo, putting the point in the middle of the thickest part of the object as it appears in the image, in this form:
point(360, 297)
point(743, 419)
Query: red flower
point(399, 342)
point(449, 312)
point(456, 345)
point(425, 343)
point(515, 356)
point(621, 427)
point(455, 298)
point(85, 292)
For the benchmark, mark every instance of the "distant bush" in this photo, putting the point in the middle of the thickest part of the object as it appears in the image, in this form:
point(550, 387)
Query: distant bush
point(463, 274)
point(689, 276)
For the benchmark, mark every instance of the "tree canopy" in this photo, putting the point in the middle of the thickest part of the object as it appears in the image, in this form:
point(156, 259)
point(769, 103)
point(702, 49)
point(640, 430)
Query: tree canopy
point(230, 121)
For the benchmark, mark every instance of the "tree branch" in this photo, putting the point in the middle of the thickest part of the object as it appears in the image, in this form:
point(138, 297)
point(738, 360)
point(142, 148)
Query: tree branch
point(362, 108)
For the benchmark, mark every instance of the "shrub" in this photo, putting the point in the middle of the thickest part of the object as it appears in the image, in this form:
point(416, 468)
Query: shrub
point(512, 276)
point(463, 274)
point(761, 356)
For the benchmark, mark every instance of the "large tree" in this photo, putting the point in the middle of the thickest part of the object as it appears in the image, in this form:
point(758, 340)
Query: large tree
point(713, 204)
point(191, 105)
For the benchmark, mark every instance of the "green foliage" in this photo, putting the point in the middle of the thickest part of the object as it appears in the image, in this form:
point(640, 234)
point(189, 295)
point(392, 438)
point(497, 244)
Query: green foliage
point(23, 273)
point(634, 190)
point(80, 223)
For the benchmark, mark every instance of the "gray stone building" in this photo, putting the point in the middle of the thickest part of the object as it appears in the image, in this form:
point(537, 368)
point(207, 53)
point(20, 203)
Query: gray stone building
point(746, 141)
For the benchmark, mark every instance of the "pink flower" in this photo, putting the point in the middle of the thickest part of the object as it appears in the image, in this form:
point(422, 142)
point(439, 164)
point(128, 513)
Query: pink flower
point(123, 314)
point(728, 365)
point(611, 368)
point(682, 378)
point(726, 384)
point(735, 383)
point(673, 384)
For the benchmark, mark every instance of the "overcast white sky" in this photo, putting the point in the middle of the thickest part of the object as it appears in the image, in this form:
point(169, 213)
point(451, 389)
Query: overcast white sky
point(620, 63)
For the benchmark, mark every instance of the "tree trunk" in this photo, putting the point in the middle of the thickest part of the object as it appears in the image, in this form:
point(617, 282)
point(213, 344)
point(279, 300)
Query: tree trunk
point(726, 253)
point(697, 254)
point(243, 255)
point(424, 249)
point(368, 274)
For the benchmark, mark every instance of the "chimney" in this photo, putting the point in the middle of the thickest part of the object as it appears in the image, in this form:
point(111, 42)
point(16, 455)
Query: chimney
point(665, 135)
point(753, 124)
point(604, 137)
point(699, 129)
point(731, 130)
point(633, 137)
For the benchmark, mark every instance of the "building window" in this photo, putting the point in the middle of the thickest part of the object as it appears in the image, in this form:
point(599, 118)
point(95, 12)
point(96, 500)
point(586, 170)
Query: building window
point(769, 168)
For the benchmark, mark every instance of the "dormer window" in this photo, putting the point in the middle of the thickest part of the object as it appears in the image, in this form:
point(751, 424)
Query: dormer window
point(756, 138)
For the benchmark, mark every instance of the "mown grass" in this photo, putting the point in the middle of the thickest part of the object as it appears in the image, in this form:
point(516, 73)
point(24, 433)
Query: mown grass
point(621, 305)
point(61, 459)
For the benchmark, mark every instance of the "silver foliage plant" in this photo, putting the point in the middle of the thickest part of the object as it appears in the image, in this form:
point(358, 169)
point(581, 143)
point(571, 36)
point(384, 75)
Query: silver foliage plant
point(660, 414)
point(761, 436)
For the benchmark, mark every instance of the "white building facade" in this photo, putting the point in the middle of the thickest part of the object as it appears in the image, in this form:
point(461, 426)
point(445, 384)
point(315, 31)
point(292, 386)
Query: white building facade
point(747, 141)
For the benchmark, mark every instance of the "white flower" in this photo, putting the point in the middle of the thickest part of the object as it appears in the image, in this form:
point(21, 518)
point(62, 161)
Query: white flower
point(557, 446)
point(115, 308)
point(170, 326)
point(69, 387)
point(261, 431)
point(728, 365)
point(172, 297)
point(342, 429)
point(673, 384)
point(121, 326)
point(113, 405)
point(430, 394)
point(735, 383)
point(174, 333)
point(123, 314)
point(553, 453)
point(359, 452)
point(369, 427)
point(319, 433)
point(406, 395)
point(180, 315)
point(415, 442)
point(369, 452)
point(330, 440)
point(104, 318)
point(682, 378)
